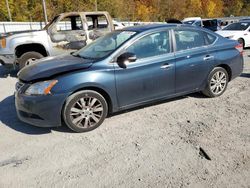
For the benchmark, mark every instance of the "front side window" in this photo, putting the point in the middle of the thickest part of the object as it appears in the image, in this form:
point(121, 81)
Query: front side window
point(151, 45)
point(70, 23)
point(187, 39)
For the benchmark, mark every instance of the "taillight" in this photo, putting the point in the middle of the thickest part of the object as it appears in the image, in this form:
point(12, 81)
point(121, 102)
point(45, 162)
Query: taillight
point(239, 47)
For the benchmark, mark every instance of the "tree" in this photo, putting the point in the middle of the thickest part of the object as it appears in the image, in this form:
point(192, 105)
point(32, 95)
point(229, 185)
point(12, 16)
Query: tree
point(233, 7)
point(143, 10)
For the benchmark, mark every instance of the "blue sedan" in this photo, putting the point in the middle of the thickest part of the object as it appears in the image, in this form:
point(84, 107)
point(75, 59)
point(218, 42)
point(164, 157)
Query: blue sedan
point(125, 69)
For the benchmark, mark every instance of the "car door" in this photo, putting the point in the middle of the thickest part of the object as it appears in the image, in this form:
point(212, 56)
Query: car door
point(98, 25)
point(152, 75)
point(193, 61)
point(68, 33)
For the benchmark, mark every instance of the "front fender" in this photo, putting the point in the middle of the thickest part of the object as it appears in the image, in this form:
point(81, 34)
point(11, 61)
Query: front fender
point(38, 37)
point(97, 79)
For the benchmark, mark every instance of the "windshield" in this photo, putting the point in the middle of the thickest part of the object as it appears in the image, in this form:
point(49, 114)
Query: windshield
point(241, 26)
point(105, 45)
point(49, 24)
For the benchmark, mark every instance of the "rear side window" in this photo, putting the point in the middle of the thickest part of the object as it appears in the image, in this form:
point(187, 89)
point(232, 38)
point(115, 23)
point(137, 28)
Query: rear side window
point(209, 38)
point(188, 39)
point(97, 21)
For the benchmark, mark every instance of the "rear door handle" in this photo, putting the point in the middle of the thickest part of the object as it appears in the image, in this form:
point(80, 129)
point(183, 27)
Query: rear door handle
point(166, 66)
point(208, 57)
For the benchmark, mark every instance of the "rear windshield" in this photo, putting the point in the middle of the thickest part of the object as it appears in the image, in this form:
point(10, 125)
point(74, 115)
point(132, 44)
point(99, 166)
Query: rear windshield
point(241, 26)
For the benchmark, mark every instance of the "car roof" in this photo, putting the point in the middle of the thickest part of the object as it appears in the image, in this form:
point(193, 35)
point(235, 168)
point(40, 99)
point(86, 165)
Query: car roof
point(141, 28)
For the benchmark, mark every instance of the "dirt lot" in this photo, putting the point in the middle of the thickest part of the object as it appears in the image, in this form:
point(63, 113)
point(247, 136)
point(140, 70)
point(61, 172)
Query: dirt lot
point(154, 146)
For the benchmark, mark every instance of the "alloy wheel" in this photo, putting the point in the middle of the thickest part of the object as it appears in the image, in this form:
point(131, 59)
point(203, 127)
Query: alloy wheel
point(218, 82)
point(86, 112)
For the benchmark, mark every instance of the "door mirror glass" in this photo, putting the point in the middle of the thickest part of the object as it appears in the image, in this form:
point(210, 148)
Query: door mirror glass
point(125, 58)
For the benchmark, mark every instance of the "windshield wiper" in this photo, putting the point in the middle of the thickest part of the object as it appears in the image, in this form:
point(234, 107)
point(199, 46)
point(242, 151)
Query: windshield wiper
point(74, 54)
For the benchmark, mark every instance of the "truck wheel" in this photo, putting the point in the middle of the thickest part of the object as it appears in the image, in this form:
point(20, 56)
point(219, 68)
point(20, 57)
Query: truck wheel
point(85, 111)
point(29, 58)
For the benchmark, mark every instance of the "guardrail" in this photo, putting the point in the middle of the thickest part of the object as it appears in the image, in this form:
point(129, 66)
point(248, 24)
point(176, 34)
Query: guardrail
point(20, 26)
point(23, 26)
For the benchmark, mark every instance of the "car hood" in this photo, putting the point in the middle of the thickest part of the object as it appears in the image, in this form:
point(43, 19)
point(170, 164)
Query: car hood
point(51, 66)
point(227, 33)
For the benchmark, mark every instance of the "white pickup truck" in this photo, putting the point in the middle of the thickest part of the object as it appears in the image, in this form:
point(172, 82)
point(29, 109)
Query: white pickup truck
point(65, 33)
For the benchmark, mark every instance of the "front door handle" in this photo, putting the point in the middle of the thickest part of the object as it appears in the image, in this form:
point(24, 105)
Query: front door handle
point(208, 57)
point(166, 66)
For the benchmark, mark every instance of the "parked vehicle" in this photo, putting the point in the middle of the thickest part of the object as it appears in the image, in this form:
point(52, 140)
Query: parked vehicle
point(66, 32)
point(211, 24)
point(245, 19)
point(195, 21)
point(237, 31)
point(124, 69)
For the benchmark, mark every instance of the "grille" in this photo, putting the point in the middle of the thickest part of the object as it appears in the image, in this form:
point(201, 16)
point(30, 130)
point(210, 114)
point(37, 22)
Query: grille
point(19, 85)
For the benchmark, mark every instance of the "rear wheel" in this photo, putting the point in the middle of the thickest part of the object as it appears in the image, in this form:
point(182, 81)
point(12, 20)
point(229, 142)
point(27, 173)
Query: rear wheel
point(29, 58)
point(85, 111)
point(216, 83)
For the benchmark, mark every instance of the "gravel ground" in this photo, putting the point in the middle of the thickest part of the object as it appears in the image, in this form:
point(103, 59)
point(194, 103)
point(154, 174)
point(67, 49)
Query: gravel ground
point(163, 145)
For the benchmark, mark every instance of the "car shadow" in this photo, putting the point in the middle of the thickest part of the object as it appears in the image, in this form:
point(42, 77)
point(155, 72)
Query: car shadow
point(9, 118)
point(245, 75)
point(193, 95)
point(6, 72)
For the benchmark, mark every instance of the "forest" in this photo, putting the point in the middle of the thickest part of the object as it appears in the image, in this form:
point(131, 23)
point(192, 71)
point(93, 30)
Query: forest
point(132, 10)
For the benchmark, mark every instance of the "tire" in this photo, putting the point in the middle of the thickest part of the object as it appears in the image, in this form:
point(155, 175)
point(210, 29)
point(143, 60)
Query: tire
point(79, 111)
point(28, 58)
point(216, 83)
point(241, 41)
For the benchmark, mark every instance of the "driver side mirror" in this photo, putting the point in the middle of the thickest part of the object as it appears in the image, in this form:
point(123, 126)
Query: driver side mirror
point(124, 58)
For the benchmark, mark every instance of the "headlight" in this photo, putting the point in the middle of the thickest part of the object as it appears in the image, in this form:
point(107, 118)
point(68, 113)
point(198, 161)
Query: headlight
point(3, 42)
point(41, 88)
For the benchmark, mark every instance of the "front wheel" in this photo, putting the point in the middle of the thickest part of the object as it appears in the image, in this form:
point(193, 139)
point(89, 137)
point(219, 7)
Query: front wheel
point(216, 83)
point(85, 111)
